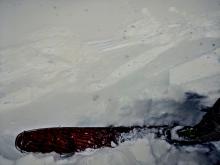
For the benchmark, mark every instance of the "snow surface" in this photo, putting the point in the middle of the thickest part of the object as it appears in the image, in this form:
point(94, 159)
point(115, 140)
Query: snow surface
point(100, 63)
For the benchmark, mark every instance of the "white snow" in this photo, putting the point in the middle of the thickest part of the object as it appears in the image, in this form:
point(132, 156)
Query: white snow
point(202, 67)
point(100, 63)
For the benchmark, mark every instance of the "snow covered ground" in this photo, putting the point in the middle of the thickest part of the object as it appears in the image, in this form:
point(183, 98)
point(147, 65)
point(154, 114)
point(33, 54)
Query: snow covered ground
point(102, 62)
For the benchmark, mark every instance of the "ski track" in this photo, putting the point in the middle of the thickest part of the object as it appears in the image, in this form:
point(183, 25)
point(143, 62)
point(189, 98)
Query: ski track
point(99, 71)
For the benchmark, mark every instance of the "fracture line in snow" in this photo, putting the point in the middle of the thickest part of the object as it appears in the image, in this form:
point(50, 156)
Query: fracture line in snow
point(201, 67)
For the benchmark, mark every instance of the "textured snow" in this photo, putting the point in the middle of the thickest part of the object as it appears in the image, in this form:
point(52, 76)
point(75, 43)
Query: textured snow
point(200, 68)
point(101, 63)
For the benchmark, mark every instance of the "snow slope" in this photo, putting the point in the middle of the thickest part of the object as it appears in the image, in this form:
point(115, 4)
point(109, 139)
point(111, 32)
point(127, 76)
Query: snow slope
point(100, 63)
